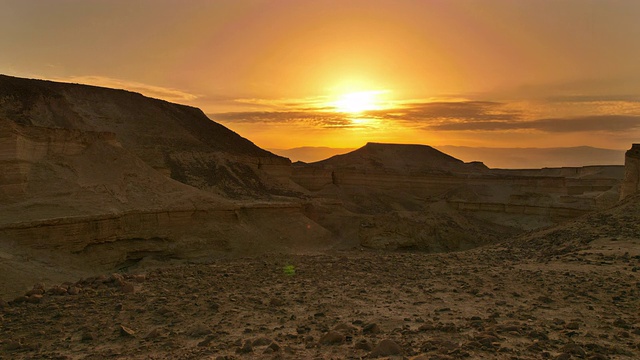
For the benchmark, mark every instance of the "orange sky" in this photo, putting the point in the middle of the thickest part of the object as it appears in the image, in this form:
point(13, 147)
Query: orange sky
point(469, 73)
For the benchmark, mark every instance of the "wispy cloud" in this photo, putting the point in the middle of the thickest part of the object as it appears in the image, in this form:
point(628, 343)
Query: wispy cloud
point(313, 118)
point(444, 116)
point(168, 94)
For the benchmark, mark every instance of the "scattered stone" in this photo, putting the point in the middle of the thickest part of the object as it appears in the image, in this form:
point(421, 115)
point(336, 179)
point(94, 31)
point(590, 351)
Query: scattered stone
point(245, 349)
point(34, 299)
point(275, 302)
point(621, 323)
point(345, 329)
point(126, 332)
point(127, 288)
point(74, 290)
point(207, 341)
point(153, 334)
point(386, 347)
point(261, 341)
point(274, 346)
point(372, 328)
point(363, 344)
point(332, 338)
point(198, 330)
point(574, 349)
point(87, 336)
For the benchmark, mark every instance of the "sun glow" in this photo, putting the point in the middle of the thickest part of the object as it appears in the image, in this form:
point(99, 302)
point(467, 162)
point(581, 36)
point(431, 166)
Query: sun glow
point(358, 102)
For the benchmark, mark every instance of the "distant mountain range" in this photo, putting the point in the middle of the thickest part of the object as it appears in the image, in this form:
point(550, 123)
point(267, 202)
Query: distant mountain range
point(506, 158)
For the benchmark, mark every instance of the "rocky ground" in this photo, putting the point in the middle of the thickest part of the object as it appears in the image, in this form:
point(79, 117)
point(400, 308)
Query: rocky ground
point(491, 304)
point(565, 292)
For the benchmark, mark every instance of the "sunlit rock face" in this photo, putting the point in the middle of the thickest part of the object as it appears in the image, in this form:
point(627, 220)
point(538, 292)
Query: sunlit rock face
point(631, 182)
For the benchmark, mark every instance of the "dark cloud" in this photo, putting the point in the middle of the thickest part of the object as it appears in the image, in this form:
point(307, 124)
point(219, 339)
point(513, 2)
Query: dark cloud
point(612, 123)
point(607, 123)
point(594, 98)
point(468, 110)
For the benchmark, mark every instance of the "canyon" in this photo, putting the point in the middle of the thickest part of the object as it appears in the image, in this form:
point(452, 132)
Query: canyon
point(97, 180)
point(133, 228)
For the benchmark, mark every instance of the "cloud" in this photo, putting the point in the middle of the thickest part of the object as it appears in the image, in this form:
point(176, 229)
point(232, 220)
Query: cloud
point(416, 112)
point(168, 94)
point(313, 118)
point(594, 98)
point(604, 123)
point(468, 110)
point(444, 116)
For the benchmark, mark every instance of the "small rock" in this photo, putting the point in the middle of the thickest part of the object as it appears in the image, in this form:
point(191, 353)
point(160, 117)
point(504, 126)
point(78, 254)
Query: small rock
point(363, 344)
point(87, 336)
point(58, 290)
point(574, 349)
point(74, 290)
point(332, 338)
point(245, 349)
point(35, 291)
point(153, 334)
point(276, 302)
point(274, 346)
point(371, 329)
point(127, 288)
point(35, 299)
point(572, 326)
point(198, 330)
point(621, 323)
point(208, 340)
point(545, 299)
point(386, 347)
point(345, 329)
point(262, 341)
point(126, 332)
point(139, 278)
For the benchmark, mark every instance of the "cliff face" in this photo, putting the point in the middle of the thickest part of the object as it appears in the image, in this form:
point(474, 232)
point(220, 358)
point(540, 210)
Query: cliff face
point(97, 180)
point(177, 140)
point(631, 182)
point(414, 196)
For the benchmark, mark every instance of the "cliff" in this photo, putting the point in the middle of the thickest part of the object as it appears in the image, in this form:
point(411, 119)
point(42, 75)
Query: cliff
point(414, 196)
point(177, 140)
point(97, 180)
point(631, 182)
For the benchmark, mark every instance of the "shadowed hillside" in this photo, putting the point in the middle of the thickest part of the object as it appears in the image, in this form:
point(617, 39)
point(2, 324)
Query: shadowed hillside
point(177, 140)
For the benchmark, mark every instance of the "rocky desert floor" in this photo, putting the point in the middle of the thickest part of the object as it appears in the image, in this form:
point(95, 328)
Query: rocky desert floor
point(578, 302)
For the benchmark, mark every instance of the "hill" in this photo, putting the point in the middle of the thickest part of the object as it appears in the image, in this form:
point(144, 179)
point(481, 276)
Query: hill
point(533, 158)
point(403, 158)
point(176, 140)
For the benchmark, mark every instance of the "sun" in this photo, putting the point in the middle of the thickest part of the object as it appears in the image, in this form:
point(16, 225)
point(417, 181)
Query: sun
point(358, 102)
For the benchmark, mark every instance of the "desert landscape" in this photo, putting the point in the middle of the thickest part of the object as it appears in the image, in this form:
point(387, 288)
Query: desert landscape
point(120, 239)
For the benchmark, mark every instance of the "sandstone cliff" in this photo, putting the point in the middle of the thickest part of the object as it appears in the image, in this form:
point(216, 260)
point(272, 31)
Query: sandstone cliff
point(177, 140)
point(414, 196)
point(631, 182)
point(84, 186)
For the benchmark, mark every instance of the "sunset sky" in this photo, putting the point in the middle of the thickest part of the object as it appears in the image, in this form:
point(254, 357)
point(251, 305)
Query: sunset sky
point(339, 73)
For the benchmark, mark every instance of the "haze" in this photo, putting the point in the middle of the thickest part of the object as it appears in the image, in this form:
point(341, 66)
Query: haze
point(288, 74)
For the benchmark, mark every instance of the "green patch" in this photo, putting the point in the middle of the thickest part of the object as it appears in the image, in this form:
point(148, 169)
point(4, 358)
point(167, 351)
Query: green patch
point(289, 270)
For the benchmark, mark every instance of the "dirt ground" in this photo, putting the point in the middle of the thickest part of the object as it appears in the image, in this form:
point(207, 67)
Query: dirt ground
point(493, 303)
